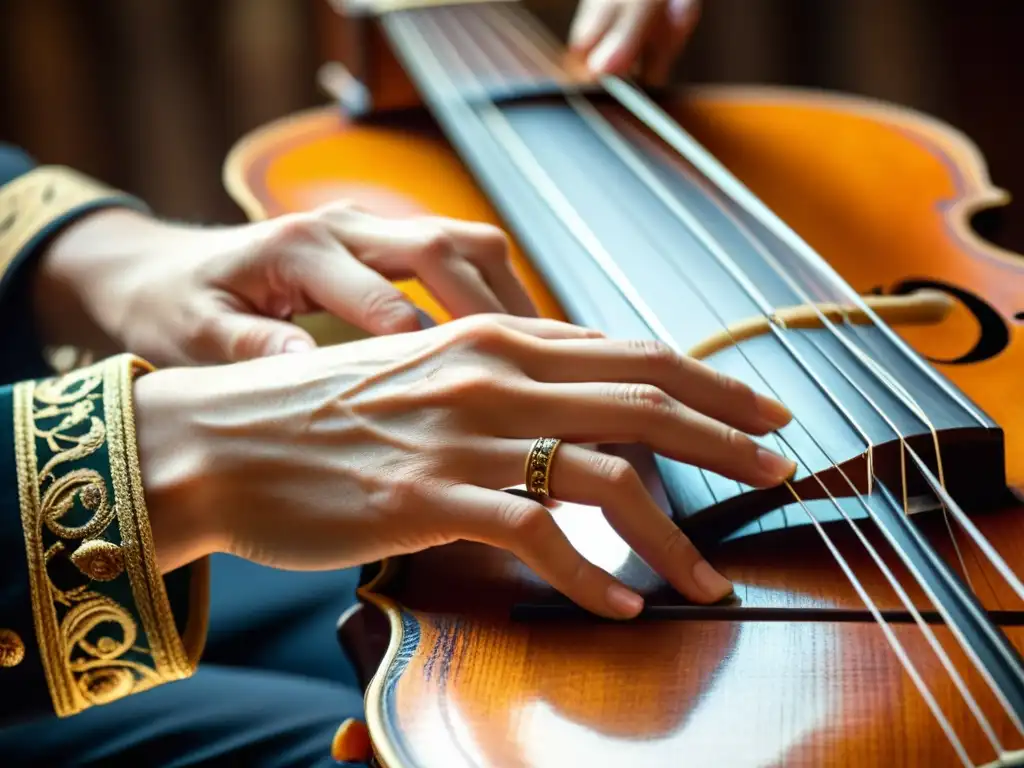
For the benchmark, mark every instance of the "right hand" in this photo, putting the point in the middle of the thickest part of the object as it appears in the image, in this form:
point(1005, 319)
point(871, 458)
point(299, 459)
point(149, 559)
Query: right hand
point(390, 445)
point(616, 35)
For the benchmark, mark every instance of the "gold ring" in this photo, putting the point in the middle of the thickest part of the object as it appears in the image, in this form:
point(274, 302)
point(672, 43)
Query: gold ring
point(538, 464)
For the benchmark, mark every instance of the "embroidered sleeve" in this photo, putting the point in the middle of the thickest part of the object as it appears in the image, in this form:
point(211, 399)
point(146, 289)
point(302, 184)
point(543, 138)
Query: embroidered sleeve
point(104, 622)
point(36, 202)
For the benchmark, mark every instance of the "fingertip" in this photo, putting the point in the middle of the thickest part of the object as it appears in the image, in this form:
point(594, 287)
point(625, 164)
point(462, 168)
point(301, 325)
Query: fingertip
point(601, 60)
point(773, 413)
point(622, 602)
point(297, 345)
point(713, 585)
point(587, 27)
point(776, 468)
point(399, 318)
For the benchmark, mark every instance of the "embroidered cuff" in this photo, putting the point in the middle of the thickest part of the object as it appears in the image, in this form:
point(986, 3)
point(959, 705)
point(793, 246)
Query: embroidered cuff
point(103, 621)
point(34, 206)
point(31, 201)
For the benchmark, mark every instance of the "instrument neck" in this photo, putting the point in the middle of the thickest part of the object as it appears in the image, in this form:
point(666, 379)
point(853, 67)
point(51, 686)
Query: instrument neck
point(489, 50)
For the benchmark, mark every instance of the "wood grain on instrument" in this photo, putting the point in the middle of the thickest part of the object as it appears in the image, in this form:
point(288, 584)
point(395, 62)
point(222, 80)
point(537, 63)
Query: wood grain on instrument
point(885, 199)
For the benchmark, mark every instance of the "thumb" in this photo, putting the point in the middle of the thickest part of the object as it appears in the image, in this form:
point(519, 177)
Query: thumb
point(237, 337)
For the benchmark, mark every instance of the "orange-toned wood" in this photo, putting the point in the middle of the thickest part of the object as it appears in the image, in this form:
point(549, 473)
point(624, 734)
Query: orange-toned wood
point(885, 199)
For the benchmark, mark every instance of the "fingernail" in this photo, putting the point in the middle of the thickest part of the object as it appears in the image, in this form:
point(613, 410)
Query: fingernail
point(711, 582)
point(297, 345)
point(775, 466)
point(400, 317)
point(773, 412)
point(623, 602)
point(599, 59)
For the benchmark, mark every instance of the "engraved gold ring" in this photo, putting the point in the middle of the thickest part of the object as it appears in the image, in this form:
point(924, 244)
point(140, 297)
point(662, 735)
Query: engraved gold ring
point(538, 464)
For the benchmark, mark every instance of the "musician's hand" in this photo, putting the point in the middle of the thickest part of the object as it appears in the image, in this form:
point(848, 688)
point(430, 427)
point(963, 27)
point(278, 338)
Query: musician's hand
point(390, 445)
point(616, 34)
point(179, 295)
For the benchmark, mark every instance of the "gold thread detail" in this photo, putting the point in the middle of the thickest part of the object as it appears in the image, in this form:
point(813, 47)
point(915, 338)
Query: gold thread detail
point(97, 559)
point(12, 649)
point(31, 201)
point(91, 560)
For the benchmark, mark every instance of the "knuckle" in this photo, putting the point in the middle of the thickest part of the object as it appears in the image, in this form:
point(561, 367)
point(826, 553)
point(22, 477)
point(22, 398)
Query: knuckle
point(655, 353)
point(736, 439)
point(493, 247)
point(525, 520)
point(435, 245)
point(731, 387)
point(343, 208)
point(645, 397)
point(739, 443)
point(474, 386)
point(487, 335)
point(295, 229)
point(677, 547)
point(396, 496)
point(380, 303)
point(615, 470)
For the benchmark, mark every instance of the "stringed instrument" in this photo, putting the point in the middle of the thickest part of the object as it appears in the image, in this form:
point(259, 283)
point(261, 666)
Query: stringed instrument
point(817, 247)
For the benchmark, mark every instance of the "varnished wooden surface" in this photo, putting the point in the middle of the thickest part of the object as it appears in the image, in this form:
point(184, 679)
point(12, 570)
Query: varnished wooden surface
point(885, 200)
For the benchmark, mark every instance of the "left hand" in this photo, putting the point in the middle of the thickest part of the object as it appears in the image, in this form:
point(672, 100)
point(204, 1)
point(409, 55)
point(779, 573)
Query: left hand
point(179, 295)
point(615, 35)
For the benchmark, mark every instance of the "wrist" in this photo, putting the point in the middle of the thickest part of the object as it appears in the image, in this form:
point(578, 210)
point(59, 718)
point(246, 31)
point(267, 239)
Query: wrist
point(84, 279)
point(174, 464)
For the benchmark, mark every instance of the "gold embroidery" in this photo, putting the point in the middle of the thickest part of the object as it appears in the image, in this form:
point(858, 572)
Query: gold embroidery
point(12, 649)
point(29, 202)
point(88, 629)
point(99, 560)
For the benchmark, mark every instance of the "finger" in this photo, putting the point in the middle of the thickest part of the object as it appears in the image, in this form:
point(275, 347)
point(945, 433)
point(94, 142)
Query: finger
point(337, 281)
point(682, 17)
point(457, 284)
point(234, 336)
point(540, 328)
point(648, 362)
point(611, 483)
point(486, 247)
point(641, 413)
point(592, 20)
point(621, 46)
point(526, 528)
point(405, 248)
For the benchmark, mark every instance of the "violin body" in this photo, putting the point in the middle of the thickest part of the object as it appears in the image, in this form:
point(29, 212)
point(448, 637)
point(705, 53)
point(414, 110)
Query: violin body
point(455, 679)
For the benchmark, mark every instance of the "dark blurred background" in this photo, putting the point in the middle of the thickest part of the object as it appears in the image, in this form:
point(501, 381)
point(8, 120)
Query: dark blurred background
point(149, 95)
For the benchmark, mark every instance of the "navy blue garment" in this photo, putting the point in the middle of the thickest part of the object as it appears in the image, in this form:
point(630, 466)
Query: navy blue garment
point(271, 691)
point(272, 686)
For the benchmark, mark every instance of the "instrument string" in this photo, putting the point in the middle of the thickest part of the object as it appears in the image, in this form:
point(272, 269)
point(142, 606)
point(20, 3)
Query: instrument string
point(873, 553)
point(527, 24)
point(583, 233)
point(518, 23)
point(608, 134)
point(846, 569)
point(647, 112)
point(888, 574)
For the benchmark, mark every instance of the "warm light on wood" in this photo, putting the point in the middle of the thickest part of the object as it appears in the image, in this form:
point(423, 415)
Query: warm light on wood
point(461, 684)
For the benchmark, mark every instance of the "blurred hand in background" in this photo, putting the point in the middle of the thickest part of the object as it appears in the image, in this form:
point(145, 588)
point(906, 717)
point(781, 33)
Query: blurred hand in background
point(617, 35)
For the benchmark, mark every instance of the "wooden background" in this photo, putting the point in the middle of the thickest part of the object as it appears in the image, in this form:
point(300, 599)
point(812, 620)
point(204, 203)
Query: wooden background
point(150, 94)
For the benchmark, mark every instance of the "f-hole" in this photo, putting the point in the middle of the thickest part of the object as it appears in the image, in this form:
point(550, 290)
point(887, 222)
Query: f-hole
point(995, 331)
